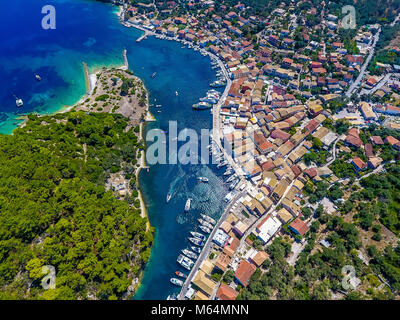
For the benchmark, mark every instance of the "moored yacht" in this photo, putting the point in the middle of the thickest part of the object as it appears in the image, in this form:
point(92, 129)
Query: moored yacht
point(197, 242)
point(198, 235)
point(205, 229)
point(185, 262)
point(202, 106)
point(205, 223)
point(187, 205)
point(208, 219)
point(202, 179)
point(190, 254)
point(196, 249)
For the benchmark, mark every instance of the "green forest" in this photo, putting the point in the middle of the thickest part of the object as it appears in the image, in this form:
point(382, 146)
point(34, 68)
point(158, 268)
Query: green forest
point(55, 210)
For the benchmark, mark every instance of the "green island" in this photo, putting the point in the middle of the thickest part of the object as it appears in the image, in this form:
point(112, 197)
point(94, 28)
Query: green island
point(69, 198)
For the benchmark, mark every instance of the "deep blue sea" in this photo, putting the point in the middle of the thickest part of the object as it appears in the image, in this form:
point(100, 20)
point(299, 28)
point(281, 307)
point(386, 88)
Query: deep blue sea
point(88, 31)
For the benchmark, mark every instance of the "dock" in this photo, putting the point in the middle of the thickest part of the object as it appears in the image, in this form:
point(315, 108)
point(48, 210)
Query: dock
point(126, 63)
point(144, 36)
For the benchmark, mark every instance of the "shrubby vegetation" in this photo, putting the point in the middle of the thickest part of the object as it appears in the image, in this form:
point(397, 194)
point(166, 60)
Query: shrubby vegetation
point(54, 209)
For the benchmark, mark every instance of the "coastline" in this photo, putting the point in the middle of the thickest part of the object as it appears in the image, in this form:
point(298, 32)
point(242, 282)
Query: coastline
point(216, 137)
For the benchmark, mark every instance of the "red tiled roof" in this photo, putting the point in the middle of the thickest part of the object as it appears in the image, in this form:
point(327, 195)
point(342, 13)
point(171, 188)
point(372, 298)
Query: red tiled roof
point(369, 152)
point(225, 292)
point(359, 163)
point(244, 272)
point(391, 140)
point(377, 140)
point(311, 172)
point(296, 170)
point(355, 141)
point(268, 166)
point(279, 134)
point(299, 225)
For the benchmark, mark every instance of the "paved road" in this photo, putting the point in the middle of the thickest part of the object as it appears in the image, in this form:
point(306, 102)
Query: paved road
point(207, 247)
point(217, 136)
point(356, 83)
point(380, 84)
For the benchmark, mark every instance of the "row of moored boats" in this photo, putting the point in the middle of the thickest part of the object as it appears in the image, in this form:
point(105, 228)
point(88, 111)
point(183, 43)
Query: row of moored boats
point(208, 101)
point(188, 256)
point(220, 161)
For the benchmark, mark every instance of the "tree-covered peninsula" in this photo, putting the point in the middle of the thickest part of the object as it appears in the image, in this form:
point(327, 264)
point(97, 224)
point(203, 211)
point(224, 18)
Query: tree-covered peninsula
point(55, 208)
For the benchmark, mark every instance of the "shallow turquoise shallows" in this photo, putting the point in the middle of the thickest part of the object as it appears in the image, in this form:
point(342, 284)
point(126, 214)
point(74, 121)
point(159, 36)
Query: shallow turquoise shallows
point(89, 31)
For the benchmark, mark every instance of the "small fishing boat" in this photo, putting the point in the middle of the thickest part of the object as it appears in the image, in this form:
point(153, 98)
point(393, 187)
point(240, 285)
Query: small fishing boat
point(180, 274)
point(234, 184)
point(222, 164)
point(172, 297)
point(153, 75)
point(169, 196)
point(38, 78)
point(228, 172)
point(202, 179)
point(176, 282)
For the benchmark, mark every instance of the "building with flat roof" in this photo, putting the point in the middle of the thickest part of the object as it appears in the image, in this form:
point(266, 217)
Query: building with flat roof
point(267, 228)
point(220, 238)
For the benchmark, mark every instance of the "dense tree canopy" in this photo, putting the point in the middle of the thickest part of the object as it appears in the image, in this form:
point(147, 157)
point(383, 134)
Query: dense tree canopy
point(55, 210)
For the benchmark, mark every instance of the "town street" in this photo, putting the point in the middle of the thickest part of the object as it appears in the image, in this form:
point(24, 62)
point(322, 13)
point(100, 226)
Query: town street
point(356, 83)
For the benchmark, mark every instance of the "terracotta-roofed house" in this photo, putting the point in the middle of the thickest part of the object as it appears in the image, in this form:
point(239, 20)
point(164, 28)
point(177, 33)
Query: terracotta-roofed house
point(279, 134)
point(244, 272)
point(391, 140)
point(359, 164)
point(369, 152)
point(298, 226)
point(377, 140)
point(225, 292)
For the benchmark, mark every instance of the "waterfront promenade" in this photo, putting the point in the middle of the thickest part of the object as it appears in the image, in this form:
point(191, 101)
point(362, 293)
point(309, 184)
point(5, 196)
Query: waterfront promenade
point(217, 137)
point(207, 247)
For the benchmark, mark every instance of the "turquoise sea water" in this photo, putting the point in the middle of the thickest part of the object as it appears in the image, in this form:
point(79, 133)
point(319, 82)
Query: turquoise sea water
point(89, 31)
